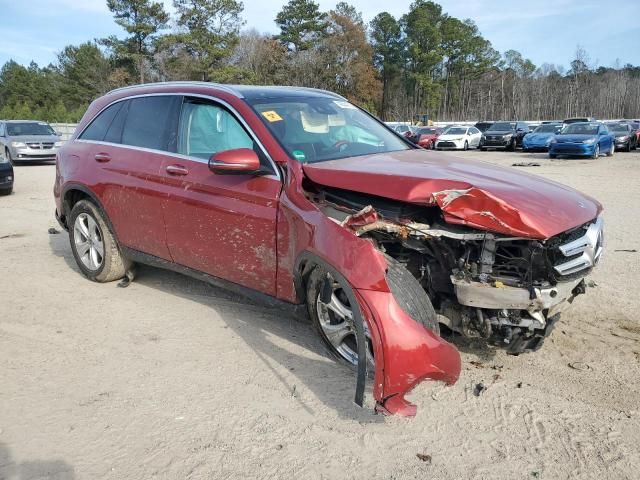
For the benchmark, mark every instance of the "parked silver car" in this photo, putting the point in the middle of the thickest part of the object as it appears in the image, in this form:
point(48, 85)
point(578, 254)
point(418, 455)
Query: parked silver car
point(28, 140)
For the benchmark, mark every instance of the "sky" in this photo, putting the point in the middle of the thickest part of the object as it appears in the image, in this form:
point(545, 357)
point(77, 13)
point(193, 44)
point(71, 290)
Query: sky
point(542, 30)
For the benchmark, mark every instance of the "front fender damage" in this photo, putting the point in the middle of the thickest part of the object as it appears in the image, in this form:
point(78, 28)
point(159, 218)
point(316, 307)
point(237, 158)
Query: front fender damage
point(411, 353)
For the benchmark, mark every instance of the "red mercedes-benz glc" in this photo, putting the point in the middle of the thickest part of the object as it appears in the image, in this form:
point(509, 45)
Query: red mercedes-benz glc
point(303, 199)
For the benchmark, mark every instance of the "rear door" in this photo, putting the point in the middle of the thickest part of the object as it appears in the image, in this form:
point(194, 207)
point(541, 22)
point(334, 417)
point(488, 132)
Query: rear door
point(130, 142)
point(223, 225)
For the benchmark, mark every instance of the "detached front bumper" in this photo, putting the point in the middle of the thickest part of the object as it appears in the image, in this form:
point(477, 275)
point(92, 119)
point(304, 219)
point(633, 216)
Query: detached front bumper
point(406, 353)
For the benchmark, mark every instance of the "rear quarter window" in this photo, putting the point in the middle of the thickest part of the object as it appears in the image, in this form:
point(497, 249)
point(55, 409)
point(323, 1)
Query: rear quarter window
point(97, 129)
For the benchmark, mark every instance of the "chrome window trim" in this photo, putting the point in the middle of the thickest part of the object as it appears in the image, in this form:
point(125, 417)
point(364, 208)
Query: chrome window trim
point(234, 112)
point(275, 176)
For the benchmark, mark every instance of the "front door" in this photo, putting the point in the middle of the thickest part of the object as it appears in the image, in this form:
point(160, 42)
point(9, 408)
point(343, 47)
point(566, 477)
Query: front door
point(223, 225)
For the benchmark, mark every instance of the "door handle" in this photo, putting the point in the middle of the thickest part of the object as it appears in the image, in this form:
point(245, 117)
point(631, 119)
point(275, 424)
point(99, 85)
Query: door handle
point(177, 170)
point(102, 157)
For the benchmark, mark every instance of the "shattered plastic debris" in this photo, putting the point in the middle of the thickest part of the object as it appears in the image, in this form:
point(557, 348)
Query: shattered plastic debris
point(424, 457)
point(53, 231)
point(525, 164)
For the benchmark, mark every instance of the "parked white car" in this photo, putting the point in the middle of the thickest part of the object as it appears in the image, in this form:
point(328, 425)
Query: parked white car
point(459, 138)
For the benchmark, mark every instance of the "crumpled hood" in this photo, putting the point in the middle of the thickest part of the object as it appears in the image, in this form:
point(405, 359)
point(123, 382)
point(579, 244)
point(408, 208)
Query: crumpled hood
point(473, 193)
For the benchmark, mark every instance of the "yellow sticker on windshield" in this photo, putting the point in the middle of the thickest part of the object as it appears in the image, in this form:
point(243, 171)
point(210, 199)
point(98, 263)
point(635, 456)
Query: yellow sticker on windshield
point(272, 116)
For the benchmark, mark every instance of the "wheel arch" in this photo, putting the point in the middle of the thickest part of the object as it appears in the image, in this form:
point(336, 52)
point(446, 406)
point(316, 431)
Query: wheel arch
point(73, 193)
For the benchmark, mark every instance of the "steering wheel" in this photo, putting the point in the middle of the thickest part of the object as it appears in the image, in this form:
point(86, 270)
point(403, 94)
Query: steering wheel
point(341, 144)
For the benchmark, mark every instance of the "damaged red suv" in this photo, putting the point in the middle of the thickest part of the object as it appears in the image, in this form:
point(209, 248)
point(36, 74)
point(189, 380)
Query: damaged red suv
point(303, 199)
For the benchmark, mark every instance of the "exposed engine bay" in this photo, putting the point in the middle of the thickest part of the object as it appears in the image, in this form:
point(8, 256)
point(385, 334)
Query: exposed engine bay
point(508, 290)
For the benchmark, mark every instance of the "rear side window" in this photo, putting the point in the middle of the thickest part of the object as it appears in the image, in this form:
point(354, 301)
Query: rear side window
point(98, 128)
point(151, 122)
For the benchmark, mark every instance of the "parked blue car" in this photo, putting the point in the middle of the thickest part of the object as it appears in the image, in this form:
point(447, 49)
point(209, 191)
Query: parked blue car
point(540, 139)
point(584, 139)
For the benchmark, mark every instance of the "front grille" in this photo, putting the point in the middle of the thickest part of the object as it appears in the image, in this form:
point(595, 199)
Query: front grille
point(560, 148)
point(40, 145)
point(446, 144)
point(578, 250)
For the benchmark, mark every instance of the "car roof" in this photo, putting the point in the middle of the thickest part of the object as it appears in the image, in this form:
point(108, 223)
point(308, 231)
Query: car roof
point(250, 92)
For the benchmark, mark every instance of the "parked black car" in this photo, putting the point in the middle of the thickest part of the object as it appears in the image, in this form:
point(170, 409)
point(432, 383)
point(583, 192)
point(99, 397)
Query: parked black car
point(625, 136)
point(507, 135)
point(482, 126)
point(6, 175)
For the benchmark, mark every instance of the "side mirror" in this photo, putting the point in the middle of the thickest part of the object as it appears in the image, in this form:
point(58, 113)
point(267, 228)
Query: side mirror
point(236, 161)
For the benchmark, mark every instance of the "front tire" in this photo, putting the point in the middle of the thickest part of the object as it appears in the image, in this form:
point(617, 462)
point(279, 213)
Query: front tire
point(596, 152)
point(93, 244)
point(6, 191)
point(334, 320)
point(7, 155)
point(466, 145)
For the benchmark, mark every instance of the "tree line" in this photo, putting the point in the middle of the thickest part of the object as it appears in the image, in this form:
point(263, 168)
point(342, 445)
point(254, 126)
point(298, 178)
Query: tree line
point(424, 63)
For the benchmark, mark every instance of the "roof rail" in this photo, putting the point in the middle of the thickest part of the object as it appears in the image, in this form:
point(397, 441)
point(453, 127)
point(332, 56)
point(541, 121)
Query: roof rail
point(194, 83)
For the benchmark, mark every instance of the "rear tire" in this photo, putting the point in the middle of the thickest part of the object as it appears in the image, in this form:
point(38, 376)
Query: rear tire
point(111, 264)
point(612, 150)
point(6, 191)
point(553, 155)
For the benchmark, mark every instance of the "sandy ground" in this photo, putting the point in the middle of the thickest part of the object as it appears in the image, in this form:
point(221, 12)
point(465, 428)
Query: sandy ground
point(171, 378)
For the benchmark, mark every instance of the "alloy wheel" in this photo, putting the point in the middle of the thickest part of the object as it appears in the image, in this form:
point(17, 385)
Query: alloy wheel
point(338, 326)
point(88, 241)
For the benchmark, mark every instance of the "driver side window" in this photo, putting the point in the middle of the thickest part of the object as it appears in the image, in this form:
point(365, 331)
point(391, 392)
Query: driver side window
point(207, 128)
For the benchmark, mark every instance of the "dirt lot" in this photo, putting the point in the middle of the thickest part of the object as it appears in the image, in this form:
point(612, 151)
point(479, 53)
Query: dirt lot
point(171, 378)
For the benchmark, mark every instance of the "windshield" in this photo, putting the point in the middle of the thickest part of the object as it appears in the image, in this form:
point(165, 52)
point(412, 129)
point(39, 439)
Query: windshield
point(502, 126)
point(29, 128)
point(456, 131)
point(547, 129)
point(619, 128)
point(580, 129)
point(317, 129)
